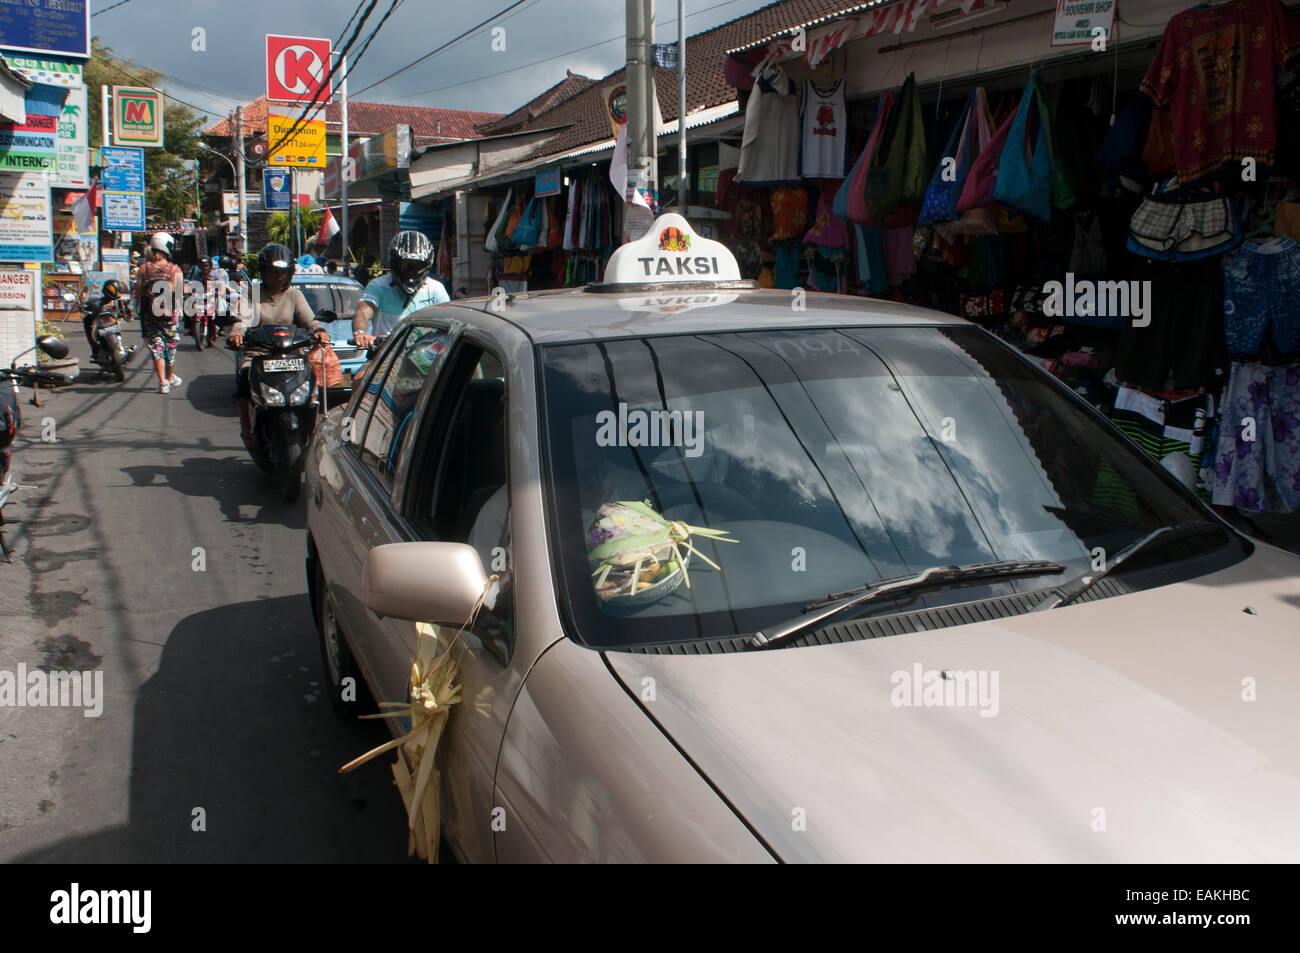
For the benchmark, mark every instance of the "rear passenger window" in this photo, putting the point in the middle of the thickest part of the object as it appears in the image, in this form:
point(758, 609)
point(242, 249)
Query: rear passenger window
point(392, 418)
point(365, 403)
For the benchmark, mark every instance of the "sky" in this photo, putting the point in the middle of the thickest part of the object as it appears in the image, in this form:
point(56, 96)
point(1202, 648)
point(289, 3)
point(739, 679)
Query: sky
point(585, 36)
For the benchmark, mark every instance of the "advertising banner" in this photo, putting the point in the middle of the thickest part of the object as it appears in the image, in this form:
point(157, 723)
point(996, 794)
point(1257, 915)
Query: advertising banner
point(17, 314)
point(73, 150)
point(275, 190)
point(72, 243)
point(122, 188)
point(137, 117)
point(305, 149)
point(25, 217)
point(61, 27)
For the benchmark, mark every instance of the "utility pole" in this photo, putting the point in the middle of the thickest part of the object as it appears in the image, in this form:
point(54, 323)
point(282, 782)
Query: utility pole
point(681, 106)
point(243, 202)
point(641, 145)
point(343, 168)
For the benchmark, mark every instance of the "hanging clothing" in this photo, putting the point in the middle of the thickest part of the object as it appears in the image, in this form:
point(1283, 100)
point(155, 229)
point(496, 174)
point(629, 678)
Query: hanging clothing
point(769, 150)
point(823, 118)
point(1261, 297)
point(1214, 73)
point(1257, 466)
point(1171, 432)
point(1182, 347)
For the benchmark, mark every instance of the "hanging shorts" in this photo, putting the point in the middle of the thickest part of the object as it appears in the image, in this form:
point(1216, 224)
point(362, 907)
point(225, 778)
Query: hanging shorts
point(1182, 347)
point(1257, 465)
point(1171, 432)
point(1261, 295)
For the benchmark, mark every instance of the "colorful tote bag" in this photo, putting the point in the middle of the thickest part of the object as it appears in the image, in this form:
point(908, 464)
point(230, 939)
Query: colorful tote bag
point(849, 199)
point(897, 176)
point(940, 204)
point(982, 179)
point(1024, 178)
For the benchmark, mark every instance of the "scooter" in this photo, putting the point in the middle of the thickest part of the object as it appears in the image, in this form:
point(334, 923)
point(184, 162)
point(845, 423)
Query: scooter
point(110, 353)
point(11, 418)
point(203, 323)
point(283, 397)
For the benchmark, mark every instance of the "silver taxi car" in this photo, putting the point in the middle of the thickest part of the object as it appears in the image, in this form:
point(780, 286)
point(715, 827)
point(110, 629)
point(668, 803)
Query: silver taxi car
point(851, 582)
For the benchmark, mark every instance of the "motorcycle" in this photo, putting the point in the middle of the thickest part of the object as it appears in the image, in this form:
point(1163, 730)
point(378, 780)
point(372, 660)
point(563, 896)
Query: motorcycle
point(110, 353)
point(11, 417)
point(284, 402)
point(203, 323)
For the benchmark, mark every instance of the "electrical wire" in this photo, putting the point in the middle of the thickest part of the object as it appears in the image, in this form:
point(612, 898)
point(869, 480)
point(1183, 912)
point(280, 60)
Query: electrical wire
point(113, 7)
point(548, 59)
point(439, 49)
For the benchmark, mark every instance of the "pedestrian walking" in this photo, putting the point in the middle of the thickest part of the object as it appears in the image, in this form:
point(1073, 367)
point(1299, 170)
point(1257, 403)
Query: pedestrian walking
point(160, 294)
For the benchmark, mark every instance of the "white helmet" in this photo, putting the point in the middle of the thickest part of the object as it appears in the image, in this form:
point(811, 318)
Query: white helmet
point(162, 242)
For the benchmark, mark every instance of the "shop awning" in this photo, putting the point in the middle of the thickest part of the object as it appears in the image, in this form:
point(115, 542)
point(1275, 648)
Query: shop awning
point(856, 21)
point(13, 93)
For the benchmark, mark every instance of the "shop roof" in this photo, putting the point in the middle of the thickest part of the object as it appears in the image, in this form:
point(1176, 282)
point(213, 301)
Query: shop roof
point(572, 84)
point(787, 25)
point(372, 119)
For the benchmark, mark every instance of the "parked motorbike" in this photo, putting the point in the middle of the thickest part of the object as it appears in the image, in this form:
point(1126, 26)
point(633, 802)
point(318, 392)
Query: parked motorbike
point(11, 417)
point(283, 398)
point(111, 354)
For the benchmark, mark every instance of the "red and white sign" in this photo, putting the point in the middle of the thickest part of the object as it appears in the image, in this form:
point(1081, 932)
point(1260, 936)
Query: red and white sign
point(296, 68)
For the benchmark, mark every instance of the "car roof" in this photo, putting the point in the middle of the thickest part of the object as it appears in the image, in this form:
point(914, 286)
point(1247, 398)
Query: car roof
point(317, 278)
point(576, 314)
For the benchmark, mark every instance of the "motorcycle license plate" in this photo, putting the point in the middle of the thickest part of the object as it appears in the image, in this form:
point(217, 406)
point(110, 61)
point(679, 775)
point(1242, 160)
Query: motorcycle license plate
point(107, 325)
point(284, 364)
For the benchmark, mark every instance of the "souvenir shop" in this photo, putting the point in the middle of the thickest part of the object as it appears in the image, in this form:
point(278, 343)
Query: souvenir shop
point(1129, 218)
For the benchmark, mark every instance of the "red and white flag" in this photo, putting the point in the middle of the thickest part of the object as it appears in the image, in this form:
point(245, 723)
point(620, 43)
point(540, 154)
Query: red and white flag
point(328, 229)
point(83, 210)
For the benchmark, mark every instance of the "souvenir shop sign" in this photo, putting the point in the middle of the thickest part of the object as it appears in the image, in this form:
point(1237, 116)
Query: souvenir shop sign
point(1077, 21)
point(547, 182)
point(895, 18)
point(25, 217)
point(61, 27)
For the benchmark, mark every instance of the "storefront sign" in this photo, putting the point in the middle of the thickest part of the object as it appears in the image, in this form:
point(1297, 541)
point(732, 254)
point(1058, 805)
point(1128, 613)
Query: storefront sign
point(547, 183)
point(73, 151)
point(61, 27)
point(297, 69)
point(25, 217)
point(371, 157)
point(50, 72)
point(304, 149)
point(17, 313)
point(229, 203)
point(30, 145)
point(1077, 22)
point(122, 188)
point(615, 106)
point(275, 190)
point(73, 244)
point(137, 117)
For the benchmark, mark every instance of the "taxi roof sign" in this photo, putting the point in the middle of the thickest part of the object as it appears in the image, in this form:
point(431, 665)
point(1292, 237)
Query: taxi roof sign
point(671, 255)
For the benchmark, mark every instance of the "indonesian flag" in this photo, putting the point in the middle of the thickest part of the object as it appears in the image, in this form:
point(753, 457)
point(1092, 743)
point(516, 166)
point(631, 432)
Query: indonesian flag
point(328, 229)
point(83, 210)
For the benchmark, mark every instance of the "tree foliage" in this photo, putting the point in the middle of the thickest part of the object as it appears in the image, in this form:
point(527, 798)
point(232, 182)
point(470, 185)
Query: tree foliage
point(169, 183)
point(279, 226)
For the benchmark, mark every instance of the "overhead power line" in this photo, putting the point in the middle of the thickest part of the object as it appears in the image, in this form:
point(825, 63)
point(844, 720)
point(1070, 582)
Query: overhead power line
point(113, 7)
point(439, 49)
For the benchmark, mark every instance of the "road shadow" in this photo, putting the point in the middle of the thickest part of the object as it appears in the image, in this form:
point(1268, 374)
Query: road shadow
point(243, 492)
point(233, 723)
point(213, 394)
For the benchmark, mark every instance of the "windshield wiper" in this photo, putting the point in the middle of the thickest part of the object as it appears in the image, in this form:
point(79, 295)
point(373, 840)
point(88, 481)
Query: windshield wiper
point(817, 612)
point(1082, 583)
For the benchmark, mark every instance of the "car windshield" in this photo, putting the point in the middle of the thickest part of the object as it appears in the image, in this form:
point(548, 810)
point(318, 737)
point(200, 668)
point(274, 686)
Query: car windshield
point(341, 297)
point(801, 463)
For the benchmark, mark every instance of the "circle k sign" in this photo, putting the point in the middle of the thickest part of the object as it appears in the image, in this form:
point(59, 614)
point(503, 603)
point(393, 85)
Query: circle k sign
point(296, 68)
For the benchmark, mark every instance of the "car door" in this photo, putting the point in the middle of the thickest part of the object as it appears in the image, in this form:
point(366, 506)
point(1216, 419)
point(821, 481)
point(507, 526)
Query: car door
point(362, 512)
point(458, 491)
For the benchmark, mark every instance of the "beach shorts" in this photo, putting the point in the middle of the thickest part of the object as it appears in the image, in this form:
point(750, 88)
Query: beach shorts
point(1261, 296)
point(1257, 466)
point(161, 337)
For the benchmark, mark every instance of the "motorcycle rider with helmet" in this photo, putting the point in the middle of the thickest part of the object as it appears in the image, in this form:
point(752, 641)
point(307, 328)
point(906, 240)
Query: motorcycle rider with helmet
point(109, 298)
point(404, 290)
point(275, 301)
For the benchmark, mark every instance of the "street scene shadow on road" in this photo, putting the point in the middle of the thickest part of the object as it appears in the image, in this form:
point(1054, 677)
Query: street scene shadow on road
point(234, 724)
point(213, 394)
point(243, 492)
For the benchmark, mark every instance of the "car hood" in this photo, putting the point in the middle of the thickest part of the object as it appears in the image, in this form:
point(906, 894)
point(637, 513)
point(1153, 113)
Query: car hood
point(1156, 726)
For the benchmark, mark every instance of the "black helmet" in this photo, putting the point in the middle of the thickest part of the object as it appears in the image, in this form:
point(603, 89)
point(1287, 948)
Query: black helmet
point(112, 289)
point(410, 258)
point(276, 259)
point(205, 260)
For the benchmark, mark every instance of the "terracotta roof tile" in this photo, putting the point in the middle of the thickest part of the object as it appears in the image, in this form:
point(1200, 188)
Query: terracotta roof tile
point(572, 84)
point(371, 119)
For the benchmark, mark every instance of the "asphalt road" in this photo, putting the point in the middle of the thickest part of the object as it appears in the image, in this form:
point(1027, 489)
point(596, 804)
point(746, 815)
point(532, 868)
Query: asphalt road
point(212, 678)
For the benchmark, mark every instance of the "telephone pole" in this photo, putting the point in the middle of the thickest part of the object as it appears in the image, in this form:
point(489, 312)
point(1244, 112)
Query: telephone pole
point(641, 146)
point(243, 202)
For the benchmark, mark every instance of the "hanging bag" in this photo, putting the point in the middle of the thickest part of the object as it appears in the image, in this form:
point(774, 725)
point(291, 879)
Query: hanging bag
point(1024, 178)
point(529, 227)
point(897, 176)
point(940, 204)
point(493, 233)
point(983, 176)
point(849, 200)
point(980, 219)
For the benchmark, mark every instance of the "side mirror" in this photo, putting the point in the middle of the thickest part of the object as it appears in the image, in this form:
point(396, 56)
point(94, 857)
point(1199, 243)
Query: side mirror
point(423, 582)
point(53, 347)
